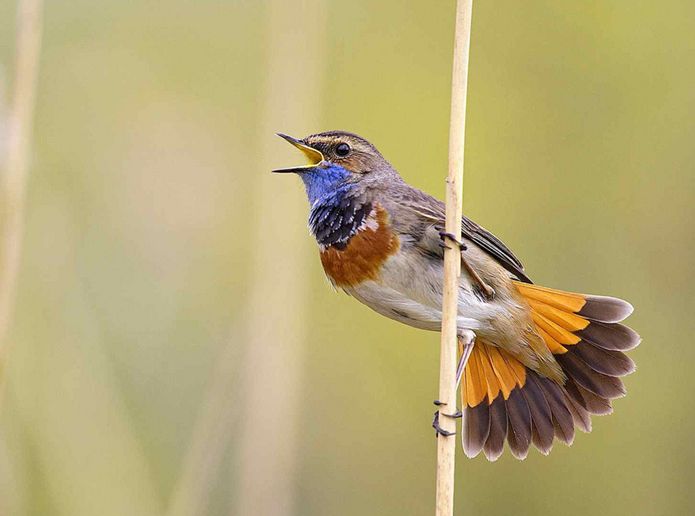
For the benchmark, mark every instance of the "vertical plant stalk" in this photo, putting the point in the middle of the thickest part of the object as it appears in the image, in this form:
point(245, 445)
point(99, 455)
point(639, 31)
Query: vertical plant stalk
point(264, 359)
point(14, 178)
point(210, 438)
point(446, 445)
point(278, 319)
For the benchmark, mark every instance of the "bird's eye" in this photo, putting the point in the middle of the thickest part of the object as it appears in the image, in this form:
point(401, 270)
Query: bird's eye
point(342, 150)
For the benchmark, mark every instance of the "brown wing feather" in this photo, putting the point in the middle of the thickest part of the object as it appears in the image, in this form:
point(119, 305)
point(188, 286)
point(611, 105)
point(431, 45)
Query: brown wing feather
point(430, 211)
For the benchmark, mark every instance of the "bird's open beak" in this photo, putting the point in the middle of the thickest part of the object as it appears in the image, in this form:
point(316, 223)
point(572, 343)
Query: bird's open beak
point(315, 157)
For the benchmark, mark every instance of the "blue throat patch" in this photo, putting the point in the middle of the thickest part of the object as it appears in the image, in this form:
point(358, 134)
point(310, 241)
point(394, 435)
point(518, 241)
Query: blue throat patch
point(323, 182)
point(337, 209)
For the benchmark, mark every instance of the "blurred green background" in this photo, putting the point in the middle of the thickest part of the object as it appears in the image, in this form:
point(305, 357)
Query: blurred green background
point(158, 249)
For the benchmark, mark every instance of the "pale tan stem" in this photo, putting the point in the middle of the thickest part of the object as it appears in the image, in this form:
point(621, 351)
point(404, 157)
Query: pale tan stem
point(14, 178)
point(446, 445)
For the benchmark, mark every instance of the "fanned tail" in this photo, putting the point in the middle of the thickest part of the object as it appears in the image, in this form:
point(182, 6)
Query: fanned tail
point(504, 400)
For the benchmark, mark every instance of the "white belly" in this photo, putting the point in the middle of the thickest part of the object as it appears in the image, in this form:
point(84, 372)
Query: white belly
point(410, 291)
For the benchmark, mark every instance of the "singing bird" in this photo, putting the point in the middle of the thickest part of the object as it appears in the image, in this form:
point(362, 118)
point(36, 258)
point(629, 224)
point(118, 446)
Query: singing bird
point(535, 362)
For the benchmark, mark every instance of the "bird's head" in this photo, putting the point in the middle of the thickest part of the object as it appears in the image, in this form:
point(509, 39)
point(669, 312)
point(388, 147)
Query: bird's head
point(337, 160)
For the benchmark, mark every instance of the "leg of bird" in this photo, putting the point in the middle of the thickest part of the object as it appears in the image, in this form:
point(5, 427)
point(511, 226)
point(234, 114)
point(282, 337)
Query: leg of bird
point(466, 343)
point(486, 289)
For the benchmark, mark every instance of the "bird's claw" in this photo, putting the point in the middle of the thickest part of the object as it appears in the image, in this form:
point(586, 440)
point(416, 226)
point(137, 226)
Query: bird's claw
point(444, 236)
point(438, 430)
point(435, 421)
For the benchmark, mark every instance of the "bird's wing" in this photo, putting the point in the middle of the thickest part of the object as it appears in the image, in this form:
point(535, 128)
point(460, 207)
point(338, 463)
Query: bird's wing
point(495, 247)
point(430, 213)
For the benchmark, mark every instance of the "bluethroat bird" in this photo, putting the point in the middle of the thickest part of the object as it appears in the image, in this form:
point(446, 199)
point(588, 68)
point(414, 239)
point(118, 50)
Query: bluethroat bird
point(535, 362)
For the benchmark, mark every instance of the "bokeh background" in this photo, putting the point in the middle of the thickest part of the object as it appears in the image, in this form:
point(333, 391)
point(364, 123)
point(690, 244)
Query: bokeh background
point(176, 349)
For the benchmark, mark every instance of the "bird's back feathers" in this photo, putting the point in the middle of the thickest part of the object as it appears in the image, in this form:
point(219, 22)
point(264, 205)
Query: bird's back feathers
point(421, 211)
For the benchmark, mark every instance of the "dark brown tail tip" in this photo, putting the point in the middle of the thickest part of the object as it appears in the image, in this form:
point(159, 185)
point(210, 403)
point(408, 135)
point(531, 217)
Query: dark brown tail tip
point(606, 309)
point(615, 337)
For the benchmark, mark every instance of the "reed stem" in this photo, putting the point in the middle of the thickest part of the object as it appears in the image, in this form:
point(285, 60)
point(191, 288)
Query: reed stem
point(446, 445)
point(14, 178)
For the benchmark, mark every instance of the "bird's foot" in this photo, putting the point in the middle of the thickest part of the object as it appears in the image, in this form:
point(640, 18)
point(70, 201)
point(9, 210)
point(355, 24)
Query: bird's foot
point(448, 236)
point(435, 421)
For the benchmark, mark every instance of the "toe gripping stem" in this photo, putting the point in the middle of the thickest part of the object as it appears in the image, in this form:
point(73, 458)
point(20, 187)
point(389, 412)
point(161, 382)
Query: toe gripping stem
point(435, 421)
point(466, 343)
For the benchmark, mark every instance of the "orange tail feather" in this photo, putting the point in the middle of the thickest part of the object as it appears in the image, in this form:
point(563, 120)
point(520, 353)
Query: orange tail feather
point(503, 400)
